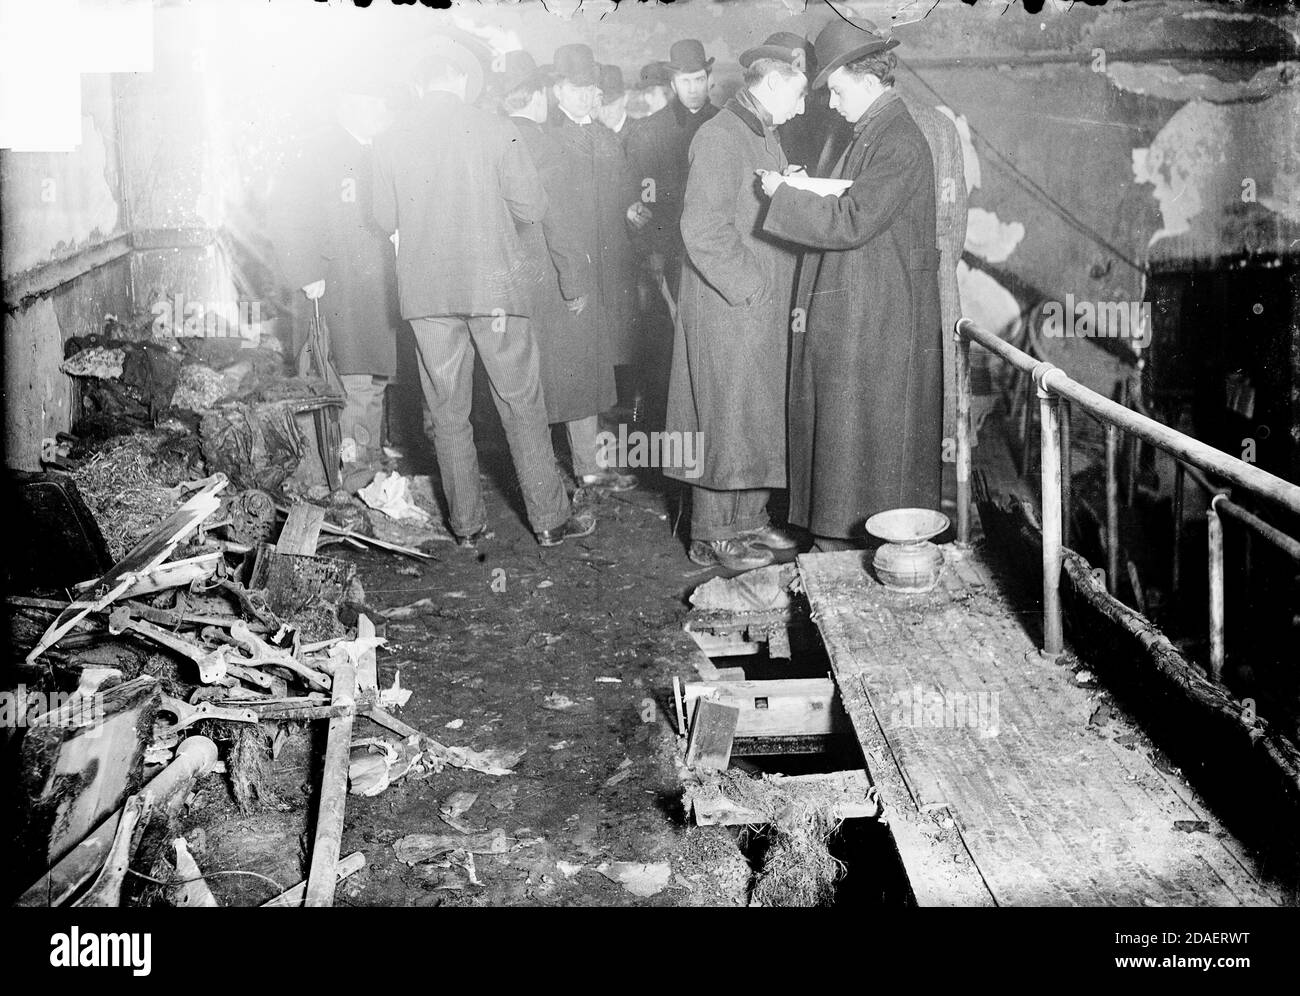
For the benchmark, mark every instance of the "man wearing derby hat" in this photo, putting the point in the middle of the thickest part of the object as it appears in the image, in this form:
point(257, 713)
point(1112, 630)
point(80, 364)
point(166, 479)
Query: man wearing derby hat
point(727, 386)
point(600, 191)
point(454, 180)
point(655, 89)
point(818, 132)
point(658, 155)
point(866, 371)
point(613, 103)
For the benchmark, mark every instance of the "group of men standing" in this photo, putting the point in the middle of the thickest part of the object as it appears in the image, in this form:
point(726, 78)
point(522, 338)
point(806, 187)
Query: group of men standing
point(552, 233)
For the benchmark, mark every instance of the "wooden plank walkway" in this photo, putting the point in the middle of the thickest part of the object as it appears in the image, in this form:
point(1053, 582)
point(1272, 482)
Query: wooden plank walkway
point(998, 789)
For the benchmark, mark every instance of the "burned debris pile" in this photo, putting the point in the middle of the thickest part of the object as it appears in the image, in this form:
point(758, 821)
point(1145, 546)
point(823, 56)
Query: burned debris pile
point(171, 618)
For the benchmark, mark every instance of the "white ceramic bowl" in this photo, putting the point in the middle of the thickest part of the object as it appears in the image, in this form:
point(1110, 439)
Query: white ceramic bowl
point(907, 525)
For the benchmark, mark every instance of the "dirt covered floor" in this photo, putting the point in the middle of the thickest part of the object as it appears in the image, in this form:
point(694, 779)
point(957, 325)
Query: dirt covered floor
point(567, 653)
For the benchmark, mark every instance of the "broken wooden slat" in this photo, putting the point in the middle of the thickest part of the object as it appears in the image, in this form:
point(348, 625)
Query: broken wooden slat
point(139, 561)
point(333, 792)
point(301, 529)
point(784, 707)
point(352, 534)
point(848, 793)
point(173, 574)
point(367, 665)
point(350, 865)
point(713, 727)
point(107, 888)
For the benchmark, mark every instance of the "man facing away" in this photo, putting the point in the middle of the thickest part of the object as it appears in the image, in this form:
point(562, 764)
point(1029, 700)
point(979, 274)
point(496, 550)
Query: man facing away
point(866, 370)
point(727, 383)
point(453, 180)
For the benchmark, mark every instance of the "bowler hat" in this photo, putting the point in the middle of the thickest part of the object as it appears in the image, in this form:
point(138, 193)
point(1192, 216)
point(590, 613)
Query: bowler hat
point(784, 45)
point(657, 74)
point(610, 82)
point(843, 41)
point(687, 56)
point(444, 48)
point(519, 69)
point(575, 63)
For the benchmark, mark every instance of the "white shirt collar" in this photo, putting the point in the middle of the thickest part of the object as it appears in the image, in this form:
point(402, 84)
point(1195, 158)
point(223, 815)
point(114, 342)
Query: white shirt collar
point(581, 121)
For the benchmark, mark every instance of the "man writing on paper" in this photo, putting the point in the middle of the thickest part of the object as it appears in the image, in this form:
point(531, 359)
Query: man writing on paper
point(866, 371)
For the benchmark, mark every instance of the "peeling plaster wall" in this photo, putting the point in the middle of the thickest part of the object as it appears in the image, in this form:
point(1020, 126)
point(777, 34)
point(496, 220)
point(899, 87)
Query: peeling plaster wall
point(54, 204)
point(1147, 152)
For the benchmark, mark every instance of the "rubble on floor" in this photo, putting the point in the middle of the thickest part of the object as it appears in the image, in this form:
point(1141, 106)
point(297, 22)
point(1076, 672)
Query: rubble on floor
point(194, 621)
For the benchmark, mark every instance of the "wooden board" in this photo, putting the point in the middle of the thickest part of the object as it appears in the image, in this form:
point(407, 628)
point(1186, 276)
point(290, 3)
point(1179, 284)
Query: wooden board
point(301, 530)
point(713, 727)
point(1029, 804)
point(783, 707)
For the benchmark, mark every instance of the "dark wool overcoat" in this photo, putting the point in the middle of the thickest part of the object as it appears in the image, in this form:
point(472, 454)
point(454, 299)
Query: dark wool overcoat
point(577, 371)
point(730, 346)
point(596, 168)
point(323, 229)
point(866, 366)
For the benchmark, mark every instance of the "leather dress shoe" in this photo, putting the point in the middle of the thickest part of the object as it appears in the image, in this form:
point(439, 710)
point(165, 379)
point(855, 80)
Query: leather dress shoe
point(578, 524)
point(772, 538)
point(733, 554)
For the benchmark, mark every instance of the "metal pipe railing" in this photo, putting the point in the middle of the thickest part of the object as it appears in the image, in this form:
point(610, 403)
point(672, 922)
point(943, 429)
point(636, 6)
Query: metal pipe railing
point(1193, 457)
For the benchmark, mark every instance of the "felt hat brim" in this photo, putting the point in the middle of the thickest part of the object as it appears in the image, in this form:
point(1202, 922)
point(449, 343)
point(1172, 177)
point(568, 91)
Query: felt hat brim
point(752, 55)
point(852, 55)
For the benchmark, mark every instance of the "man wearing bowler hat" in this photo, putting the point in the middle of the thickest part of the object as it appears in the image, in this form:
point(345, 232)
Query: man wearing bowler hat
point(601, 192)
point(658, 156)
point(454, 180)
point(655, 89)
point(818, 135)
point(866, 365)
point(613, 103)
point(727, 386)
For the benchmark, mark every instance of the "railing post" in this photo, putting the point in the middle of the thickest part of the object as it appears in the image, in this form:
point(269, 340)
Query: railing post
point(1216, 589)
point(1112, 509)
point(1050, 461)
point(963, 436)
point(1067, 474)
point(1180, 484)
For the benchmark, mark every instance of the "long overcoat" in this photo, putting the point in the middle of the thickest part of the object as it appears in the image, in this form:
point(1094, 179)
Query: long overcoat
point(658, 151)
point(323, 229)
point(866, 370)
point(730, 347)
point(577, 371)
point(596, 168)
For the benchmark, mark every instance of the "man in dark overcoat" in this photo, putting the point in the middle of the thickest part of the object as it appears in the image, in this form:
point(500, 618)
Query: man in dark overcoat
point(453, 180)
point(577, 372)
point(599, 192)
point(866, 372)
point(658, 155)
point(331, 251)
point(727, 386)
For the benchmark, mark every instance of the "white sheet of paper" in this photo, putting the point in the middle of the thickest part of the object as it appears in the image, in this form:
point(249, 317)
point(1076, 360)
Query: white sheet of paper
point(819, 185)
